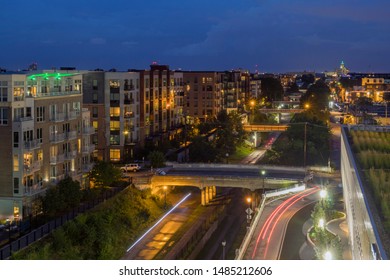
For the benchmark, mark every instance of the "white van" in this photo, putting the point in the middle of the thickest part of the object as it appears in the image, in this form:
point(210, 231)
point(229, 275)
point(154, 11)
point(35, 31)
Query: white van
point(131, 167)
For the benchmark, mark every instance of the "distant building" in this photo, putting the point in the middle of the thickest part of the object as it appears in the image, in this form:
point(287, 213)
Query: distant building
point(45, 137)
point(202, 94)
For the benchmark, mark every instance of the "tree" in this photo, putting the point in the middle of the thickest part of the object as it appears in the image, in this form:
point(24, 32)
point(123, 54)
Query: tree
point(103, 174)
point(271, 89)
point(70, 192)
point(156, 159)
point(316, 97)
point(202, 150)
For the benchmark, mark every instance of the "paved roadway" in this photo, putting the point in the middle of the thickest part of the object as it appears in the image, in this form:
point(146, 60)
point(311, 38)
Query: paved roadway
point(266, 243)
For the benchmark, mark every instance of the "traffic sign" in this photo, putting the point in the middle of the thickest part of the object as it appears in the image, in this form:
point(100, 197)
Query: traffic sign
point(249, 211)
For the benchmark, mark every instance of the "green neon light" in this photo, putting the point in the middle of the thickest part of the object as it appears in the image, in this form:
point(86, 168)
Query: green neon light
point(48, 75)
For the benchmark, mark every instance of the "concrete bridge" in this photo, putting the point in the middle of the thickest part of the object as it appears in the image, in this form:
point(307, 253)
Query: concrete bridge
point(265, 127)
point(209, 176)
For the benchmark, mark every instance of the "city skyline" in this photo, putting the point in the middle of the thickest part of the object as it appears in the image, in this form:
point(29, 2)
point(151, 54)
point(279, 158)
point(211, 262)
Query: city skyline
point(265, 36)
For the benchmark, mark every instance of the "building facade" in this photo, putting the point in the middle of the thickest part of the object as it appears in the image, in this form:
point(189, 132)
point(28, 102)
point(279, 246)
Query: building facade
point(44, 134)
point(113, 98)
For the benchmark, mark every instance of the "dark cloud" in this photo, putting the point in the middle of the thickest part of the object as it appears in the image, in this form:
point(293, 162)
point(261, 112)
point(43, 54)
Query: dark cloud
point(277, 35)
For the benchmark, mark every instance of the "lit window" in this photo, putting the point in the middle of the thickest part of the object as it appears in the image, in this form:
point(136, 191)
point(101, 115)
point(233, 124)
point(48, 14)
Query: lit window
point(115, 154)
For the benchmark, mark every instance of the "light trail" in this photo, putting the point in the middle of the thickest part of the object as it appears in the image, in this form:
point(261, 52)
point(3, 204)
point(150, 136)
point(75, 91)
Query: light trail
point(281, 214)
point(159, 221)
point(269, 220)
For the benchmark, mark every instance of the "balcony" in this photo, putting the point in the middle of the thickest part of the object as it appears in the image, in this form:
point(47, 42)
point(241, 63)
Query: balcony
point(57, 117)
point(72, 115)
point(88, 130)
point(33, 167)
point(57, 137)
point(34, 189)
point(71, 135)
point(32, 145)
point(57, 93)
point(70, 155)
point(128, 101)
point(87, 167)
point(88, 149)
point(56, 179)
point(57, 159)
point(129, 115)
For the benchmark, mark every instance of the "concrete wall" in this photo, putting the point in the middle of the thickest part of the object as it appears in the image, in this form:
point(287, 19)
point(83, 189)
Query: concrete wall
point(363, 231)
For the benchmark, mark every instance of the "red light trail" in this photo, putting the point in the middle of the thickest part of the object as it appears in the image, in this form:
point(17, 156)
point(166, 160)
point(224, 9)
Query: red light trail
point(288, 203)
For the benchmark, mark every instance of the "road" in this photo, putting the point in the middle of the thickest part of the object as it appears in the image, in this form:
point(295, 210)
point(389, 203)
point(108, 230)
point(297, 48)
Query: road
point(161, 235)
point(266, 243)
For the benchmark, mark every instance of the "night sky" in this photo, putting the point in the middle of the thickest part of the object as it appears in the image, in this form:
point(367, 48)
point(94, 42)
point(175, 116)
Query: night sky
point(275, 35)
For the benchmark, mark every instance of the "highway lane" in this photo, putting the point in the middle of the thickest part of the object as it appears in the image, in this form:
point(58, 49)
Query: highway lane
point(266, 243)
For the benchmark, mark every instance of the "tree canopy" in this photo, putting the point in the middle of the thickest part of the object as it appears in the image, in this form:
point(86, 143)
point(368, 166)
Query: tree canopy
point(103, 174)
point(317, 96)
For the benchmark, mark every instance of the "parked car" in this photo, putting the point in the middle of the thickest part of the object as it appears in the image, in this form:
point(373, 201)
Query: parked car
point(131, 167)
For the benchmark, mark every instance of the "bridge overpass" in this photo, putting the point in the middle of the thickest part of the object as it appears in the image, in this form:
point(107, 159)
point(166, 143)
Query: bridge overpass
point(209, 176)
point(265, 127)
point(280, 111)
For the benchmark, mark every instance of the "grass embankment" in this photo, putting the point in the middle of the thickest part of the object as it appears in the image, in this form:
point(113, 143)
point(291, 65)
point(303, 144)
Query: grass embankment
point(242, 151)
point(103, 233)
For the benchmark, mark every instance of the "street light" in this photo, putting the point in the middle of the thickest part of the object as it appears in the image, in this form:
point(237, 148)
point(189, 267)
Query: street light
point(328, 255)
point(223, 249)
point(227, 157)
point(165, 196)
point(321, 223)
point(263, 175)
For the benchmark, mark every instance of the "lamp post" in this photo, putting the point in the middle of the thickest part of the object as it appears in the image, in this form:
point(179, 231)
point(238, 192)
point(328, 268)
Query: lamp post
point(227, 157)
point(263, 176)
point(165, 196)
point(223, 249)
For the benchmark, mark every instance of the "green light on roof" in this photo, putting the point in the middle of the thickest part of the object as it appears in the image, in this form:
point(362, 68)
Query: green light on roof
point(47, 75)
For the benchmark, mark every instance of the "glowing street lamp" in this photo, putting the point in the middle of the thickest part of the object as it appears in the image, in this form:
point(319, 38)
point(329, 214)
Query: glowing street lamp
point(323, 193)
point(263, 175)
point(328, 255)
point(321, 223)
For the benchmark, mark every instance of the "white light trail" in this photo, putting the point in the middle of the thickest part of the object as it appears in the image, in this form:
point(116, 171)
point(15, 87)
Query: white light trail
point(159, 221)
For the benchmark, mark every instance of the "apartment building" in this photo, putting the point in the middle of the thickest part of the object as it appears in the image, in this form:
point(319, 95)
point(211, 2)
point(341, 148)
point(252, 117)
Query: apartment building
point(113, 98)
point(235, 89)
point(161, 104)
point(203, 98)
point(44, 134)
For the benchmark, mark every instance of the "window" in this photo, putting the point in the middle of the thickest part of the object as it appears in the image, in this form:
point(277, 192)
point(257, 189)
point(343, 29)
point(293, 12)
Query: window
point(27, 135)
point(16, 163)
point(95, 125)
point(18, 93)
point(94, 84)
point(115, 112)
point(114, 125)
point(115, 154)
point(3, 116)
point(95, 98)
point(114, 86)
point(16, 186)
point(39, 135)
point(41, 114)
point(16, 139)
point(3, 91)
point(18, 114)
point(94, 112)
point(114, 139)
point(28, 111)
point(147, 83)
